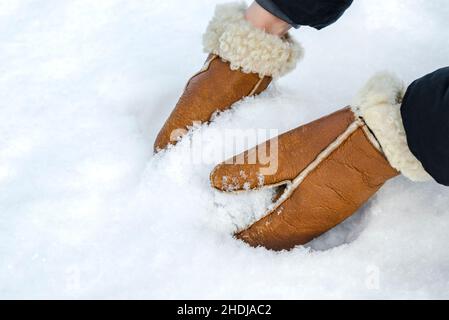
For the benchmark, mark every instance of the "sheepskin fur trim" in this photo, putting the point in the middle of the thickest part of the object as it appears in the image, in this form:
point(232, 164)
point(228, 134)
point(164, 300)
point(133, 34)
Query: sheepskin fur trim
point(230, 36)
point(379, 104)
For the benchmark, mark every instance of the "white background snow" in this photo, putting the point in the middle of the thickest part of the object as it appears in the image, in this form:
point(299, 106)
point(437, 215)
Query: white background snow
point(86, 210)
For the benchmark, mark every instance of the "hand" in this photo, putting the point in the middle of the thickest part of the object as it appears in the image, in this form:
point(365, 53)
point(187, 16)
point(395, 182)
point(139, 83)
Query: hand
point(326, 170)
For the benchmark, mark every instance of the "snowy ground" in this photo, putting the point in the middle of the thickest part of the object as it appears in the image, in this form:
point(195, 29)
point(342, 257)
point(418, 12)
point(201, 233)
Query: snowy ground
point(86, 211)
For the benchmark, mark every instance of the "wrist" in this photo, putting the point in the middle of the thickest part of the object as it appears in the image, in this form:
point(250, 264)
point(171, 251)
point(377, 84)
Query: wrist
point(264, 20)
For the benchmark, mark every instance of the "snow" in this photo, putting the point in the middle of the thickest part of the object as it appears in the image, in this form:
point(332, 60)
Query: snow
point(86, 210)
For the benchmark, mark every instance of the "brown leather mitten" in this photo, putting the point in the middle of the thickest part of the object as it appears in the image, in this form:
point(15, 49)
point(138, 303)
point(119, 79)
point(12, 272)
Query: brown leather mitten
point(242, 62)
point(329, 168)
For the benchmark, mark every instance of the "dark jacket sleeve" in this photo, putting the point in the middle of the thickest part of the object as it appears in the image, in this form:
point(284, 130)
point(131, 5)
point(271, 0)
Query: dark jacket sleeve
point(425, 114)
point(314, 13)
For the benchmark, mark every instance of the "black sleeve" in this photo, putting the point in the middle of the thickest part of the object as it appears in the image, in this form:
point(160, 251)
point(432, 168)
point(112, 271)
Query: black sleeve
point(425, 114)
point(314, 13)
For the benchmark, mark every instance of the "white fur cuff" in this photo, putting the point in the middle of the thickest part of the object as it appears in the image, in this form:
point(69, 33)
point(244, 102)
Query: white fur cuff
point(230, 36)
point(379, 104)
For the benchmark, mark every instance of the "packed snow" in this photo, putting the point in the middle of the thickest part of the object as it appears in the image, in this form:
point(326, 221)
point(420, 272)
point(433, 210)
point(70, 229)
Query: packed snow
point(87, 211)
